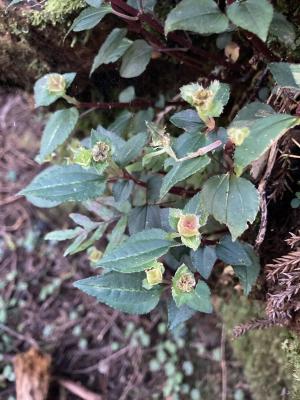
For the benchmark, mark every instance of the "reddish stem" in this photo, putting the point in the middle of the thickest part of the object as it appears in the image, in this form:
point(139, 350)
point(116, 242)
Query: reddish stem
point(139, 103)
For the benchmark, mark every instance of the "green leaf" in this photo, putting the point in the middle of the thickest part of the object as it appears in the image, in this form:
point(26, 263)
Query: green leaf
point(121, 124)
point(178, 315)
point(204, 259)
point(112, 49)
point(58, 128)
point(127, 95)
point(182, 170)
point(65, 183)
point(117, 234)
point(63, 234)
point(283, 30)
point(81, 244)
point(242, 258)
point(232, 253)
point(147, 4)
point(253, 15)
point(90, 17)
point(94, 3)
point(136, 59)
point(143, 217)
point(122, 292)
point(138, 251)
point(285, 74)
point(122, 190)
point(263, 133)
point(42, 96)
point(84, 221)
point(131, 149)
point(187, 120)
point(42, 203)
point(197, 16)
point(231, 200)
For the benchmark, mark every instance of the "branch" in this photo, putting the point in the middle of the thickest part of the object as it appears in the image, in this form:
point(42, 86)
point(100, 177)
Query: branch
point(139, 103)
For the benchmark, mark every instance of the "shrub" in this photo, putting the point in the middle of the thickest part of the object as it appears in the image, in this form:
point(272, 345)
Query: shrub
point(172, 196)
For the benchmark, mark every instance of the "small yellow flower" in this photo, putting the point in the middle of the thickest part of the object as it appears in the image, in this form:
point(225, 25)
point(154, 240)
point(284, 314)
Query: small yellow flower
point(188, 225)
point(186, 282)
point(56, 83)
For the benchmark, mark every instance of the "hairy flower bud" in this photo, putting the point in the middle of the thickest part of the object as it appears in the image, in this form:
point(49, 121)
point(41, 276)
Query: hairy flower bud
point(186, 282)
point(56, 83)
point(100, 151)
point(238, 135)
point(188, 225)
point(155, 274)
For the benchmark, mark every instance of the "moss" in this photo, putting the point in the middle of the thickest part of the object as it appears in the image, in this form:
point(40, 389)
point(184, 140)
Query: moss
point(260, 352)
point(55, 12)
point(291, 348)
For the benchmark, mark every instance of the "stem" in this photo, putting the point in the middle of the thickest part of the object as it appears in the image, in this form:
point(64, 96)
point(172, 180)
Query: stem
point(174, 190)
point(126, 17)
point(139, 103)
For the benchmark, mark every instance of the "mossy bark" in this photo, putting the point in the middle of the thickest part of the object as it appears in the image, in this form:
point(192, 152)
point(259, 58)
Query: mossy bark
point(270, 358)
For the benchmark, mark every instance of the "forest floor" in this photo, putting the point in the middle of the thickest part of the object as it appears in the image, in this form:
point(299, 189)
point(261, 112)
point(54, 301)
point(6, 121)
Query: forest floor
point(93, 348)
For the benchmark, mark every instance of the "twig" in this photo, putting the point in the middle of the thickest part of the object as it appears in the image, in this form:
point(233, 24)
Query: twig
point(223, 364)
point(78, 389)
point(17, 335)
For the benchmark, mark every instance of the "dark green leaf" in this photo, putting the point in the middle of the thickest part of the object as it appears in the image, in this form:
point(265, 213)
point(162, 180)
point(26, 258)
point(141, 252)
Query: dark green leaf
point(263, 133)
point(138, 251)
point(231, 200)
point(122, 292)
point(143, 217)
point(253, 15)
point(197, 16)
point(90, 17)
point(182, 170)
point(136, 59)
point(242, 258)
point(285, 74)
point(131, 149)
point(187, 120)
point(112, 49)
point(122, 190)
point(178, 315)
point(65, 183)
point(204, 259)
point(59, 127)
point(283, 30)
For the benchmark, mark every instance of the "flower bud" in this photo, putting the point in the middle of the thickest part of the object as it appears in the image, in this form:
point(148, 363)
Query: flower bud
point(100, 151)
point(238, 135)
point(82, 157)
point(186, 282)
point(188, 225)
point(56, 83)
point(95, 254)
point(155, 274)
